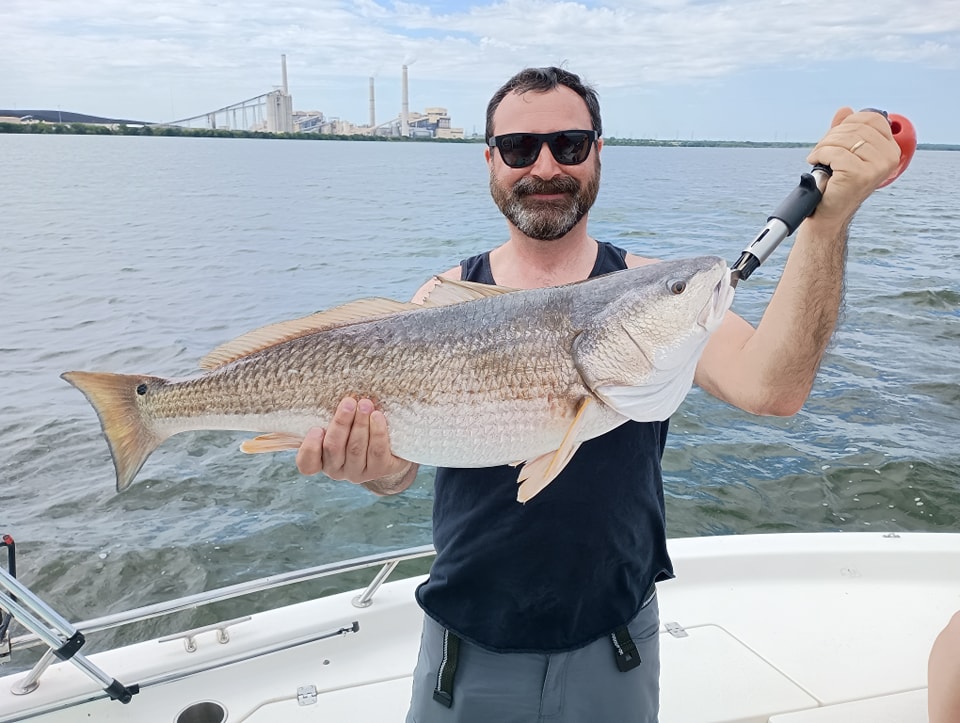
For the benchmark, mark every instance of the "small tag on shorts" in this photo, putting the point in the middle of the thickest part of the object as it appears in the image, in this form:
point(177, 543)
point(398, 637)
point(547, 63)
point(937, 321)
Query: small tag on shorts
point(625, 650)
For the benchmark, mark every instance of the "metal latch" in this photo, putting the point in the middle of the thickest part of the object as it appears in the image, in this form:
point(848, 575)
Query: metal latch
point(306, 695)
point(6, 647)
point(189, 637)
point(676, 630)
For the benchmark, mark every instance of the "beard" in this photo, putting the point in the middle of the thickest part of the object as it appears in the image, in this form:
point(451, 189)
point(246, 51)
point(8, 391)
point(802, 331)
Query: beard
point(545, 220)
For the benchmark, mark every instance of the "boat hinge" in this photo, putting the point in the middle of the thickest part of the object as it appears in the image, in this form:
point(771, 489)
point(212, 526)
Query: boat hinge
point(189, 637)
point(676, 630)
point(306, 695)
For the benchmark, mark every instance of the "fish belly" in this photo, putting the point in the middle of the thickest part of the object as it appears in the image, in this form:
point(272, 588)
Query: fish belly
point(486, 435)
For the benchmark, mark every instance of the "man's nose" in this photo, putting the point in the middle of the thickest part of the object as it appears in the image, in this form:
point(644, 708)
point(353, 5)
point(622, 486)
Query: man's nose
point(546, 165)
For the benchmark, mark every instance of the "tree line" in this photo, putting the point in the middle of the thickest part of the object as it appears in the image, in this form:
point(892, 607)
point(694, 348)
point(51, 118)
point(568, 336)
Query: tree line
point(136, 130)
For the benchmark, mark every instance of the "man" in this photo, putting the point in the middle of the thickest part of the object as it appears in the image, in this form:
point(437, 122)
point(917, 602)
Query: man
point(943, 675)
point(547, 611)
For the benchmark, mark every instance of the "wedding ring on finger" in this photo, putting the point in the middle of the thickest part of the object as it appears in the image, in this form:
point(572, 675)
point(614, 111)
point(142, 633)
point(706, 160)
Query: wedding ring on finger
point(855, 146)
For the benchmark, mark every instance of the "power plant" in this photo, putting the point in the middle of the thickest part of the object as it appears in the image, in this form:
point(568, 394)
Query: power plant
point(434, 122)
point(272, 112)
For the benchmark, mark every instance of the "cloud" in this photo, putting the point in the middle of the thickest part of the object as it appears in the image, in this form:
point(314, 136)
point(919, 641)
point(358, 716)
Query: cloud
point(199, 55)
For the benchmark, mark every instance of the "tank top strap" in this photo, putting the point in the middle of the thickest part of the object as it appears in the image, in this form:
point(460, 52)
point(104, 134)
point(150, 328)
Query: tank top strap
point(609, 258)
point(477, 268)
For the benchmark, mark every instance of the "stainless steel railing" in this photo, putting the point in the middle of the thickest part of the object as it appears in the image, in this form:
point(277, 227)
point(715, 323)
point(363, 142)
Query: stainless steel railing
point(387, 560)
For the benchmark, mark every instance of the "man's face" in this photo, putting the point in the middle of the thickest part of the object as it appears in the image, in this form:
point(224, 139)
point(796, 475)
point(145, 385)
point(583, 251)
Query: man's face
point(545, 200)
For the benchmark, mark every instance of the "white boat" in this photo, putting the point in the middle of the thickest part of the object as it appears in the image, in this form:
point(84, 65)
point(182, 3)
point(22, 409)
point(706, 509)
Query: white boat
point(781, 628)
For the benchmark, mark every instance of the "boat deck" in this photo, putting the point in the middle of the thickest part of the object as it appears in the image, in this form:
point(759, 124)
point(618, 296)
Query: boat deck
point(807, 628)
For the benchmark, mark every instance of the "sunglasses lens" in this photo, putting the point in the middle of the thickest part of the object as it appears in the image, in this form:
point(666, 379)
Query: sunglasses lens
point(570, 148)
point(519, 150)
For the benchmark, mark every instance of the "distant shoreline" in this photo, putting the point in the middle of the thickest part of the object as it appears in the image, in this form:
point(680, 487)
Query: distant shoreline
point(175, 131)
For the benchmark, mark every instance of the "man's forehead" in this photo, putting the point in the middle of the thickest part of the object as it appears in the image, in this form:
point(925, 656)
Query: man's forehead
point(541, 112)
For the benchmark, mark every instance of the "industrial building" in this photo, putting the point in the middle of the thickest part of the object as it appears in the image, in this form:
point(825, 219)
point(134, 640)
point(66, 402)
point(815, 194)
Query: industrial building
point(273, 112)
point(432, 123)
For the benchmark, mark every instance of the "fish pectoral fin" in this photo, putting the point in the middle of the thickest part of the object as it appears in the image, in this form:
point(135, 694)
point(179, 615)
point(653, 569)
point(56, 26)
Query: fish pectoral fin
point(537, 474)
point(273, 442)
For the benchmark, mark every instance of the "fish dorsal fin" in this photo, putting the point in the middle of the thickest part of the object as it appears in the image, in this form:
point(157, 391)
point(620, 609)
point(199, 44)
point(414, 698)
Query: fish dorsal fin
point(272, 334)
point(453, 291)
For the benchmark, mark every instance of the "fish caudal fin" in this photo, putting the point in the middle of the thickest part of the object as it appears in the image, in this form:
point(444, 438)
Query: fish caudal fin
point(114, 397)
point(537, 474)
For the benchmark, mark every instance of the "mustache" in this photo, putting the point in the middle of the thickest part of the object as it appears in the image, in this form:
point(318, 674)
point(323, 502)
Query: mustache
point(560, 184)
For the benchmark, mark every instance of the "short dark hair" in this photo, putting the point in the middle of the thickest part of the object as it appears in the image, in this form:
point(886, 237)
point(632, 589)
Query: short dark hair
point(541, 80)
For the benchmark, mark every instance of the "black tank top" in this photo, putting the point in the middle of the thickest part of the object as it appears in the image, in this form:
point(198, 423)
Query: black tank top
point(566, 568)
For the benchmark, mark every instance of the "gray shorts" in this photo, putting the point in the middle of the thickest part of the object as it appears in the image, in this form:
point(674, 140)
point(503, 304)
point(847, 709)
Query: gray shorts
point(573, 687)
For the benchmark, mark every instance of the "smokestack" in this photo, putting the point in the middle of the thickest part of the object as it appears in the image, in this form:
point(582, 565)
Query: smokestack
point(283, 69)
point(373, 106)
point(404, 106)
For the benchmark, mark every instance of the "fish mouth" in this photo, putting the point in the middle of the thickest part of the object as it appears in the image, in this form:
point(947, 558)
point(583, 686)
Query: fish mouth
point(720, 300)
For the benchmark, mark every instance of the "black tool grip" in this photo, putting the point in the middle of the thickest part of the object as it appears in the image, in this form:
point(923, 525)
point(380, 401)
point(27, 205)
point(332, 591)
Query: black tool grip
point(801, 202)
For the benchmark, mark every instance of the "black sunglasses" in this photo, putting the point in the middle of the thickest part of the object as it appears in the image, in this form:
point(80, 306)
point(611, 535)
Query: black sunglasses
point(519, 150)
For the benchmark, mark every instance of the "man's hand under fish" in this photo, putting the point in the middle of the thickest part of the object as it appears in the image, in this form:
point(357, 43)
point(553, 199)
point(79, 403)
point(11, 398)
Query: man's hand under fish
point(356, 447)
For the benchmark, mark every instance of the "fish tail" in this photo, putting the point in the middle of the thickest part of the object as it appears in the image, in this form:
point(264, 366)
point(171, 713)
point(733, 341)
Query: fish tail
point(129, 435)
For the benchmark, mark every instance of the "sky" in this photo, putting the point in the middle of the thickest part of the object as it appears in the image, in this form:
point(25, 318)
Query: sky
point(764, 70)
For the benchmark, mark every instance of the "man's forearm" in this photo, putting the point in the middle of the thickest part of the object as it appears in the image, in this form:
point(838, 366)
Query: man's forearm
point(802, 315)
point(770, 369)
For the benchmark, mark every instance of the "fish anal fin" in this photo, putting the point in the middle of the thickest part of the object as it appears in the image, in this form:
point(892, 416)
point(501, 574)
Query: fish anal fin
point(272, 334)
point(540, 472)
point(273, 442)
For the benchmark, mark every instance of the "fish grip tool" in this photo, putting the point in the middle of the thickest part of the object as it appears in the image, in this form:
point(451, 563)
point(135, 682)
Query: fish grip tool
point(803, 200)
point(63, 639)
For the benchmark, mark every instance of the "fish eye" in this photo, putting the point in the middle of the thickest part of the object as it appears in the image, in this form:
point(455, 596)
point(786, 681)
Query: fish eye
point(677, 286)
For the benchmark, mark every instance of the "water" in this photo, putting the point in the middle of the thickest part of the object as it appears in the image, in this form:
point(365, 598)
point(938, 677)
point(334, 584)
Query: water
point(142, 254)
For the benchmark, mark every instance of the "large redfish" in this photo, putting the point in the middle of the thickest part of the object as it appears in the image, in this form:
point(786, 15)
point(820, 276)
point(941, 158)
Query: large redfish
point(478, 376)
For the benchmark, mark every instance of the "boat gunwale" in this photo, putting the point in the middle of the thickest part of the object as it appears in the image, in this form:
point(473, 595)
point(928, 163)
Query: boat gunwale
point(387, 560)
point(817, 543)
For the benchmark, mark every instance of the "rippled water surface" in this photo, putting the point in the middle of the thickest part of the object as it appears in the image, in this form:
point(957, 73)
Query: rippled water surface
point(142, 254)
